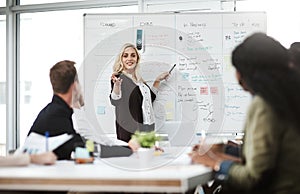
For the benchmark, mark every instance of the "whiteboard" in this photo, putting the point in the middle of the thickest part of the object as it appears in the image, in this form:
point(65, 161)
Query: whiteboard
point(202, 88)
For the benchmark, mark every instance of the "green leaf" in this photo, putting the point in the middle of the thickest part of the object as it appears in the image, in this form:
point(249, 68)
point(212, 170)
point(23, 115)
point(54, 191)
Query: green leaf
point(146, 139)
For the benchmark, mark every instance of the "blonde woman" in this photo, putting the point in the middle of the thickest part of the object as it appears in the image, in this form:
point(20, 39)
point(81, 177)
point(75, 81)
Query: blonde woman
point(130, 94)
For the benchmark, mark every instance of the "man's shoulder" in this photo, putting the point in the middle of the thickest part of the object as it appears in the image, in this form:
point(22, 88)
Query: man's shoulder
point(51, 115)
point(56, 109)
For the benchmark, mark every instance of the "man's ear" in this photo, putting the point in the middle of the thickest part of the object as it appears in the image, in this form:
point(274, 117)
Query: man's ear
point(79, 94)
point(77, 98)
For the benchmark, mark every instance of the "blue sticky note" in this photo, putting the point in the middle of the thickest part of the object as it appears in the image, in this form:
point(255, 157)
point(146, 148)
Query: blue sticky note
point(101, 110)
point(81, 152)
point(185, 76)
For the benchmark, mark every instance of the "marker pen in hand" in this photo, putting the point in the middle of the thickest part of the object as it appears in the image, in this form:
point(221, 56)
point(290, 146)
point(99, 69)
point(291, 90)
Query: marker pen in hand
point(172, 68)
point(115, 77)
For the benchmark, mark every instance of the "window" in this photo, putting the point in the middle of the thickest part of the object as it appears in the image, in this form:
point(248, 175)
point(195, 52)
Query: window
point(2, 93)
point(46, 38)
point(278, 13)
point(2, 85)
point(27, 2)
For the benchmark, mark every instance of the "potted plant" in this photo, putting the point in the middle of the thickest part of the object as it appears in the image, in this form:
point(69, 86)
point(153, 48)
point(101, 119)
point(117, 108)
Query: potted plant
point(146, 141)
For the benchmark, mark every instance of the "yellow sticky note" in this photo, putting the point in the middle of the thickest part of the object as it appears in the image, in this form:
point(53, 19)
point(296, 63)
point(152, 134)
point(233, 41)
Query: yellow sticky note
point(89, 144)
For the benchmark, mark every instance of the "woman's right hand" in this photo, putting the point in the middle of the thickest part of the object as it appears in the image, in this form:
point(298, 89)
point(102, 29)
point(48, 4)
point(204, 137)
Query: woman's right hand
point(115, 79)
point(114, 75)
point(117, 83)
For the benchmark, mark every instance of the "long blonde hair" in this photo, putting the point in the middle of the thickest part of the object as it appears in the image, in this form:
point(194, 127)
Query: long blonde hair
point(119, 67)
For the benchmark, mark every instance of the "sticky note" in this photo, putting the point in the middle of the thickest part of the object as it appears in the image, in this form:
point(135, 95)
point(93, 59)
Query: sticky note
point(101, 110)
point(81, 152)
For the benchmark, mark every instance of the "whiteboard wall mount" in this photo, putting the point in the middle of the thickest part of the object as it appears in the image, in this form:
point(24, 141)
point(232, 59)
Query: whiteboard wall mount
point(140, 40)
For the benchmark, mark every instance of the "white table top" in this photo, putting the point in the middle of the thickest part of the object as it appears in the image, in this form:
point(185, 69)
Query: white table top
point(169, 172)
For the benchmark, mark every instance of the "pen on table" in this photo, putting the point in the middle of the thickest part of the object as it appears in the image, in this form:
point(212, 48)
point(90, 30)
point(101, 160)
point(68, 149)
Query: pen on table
point(47, 140)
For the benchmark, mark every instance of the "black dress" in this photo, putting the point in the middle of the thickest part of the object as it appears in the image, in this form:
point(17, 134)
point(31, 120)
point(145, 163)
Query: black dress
point(128, 109)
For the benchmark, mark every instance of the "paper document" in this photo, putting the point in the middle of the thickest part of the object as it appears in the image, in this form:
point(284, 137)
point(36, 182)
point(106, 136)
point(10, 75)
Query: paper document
point(36, 143)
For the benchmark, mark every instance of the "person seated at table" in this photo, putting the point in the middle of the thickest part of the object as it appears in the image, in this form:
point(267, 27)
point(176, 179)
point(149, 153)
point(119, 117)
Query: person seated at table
point(269, 161)
point(56, 117)
point(24, 159)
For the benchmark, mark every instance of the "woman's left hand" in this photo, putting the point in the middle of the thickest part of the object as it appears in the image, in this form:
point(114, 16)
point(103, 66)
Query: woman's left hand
point(162, 76)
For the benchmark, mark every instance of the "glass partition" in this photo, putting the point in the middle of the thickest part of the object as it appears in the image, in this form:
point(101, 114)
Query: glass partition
point(27, 2)
point(46, 38)
point(2, 85)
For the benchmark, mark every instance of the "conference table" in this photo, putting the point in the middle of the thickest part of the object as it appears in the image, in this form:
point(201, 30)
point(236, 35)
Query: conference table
point(170, 171)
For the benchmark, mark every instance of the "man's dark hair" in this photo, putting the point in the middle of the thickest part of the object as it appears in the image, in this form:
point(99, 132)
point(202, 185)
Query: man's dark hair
point(62, 76)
